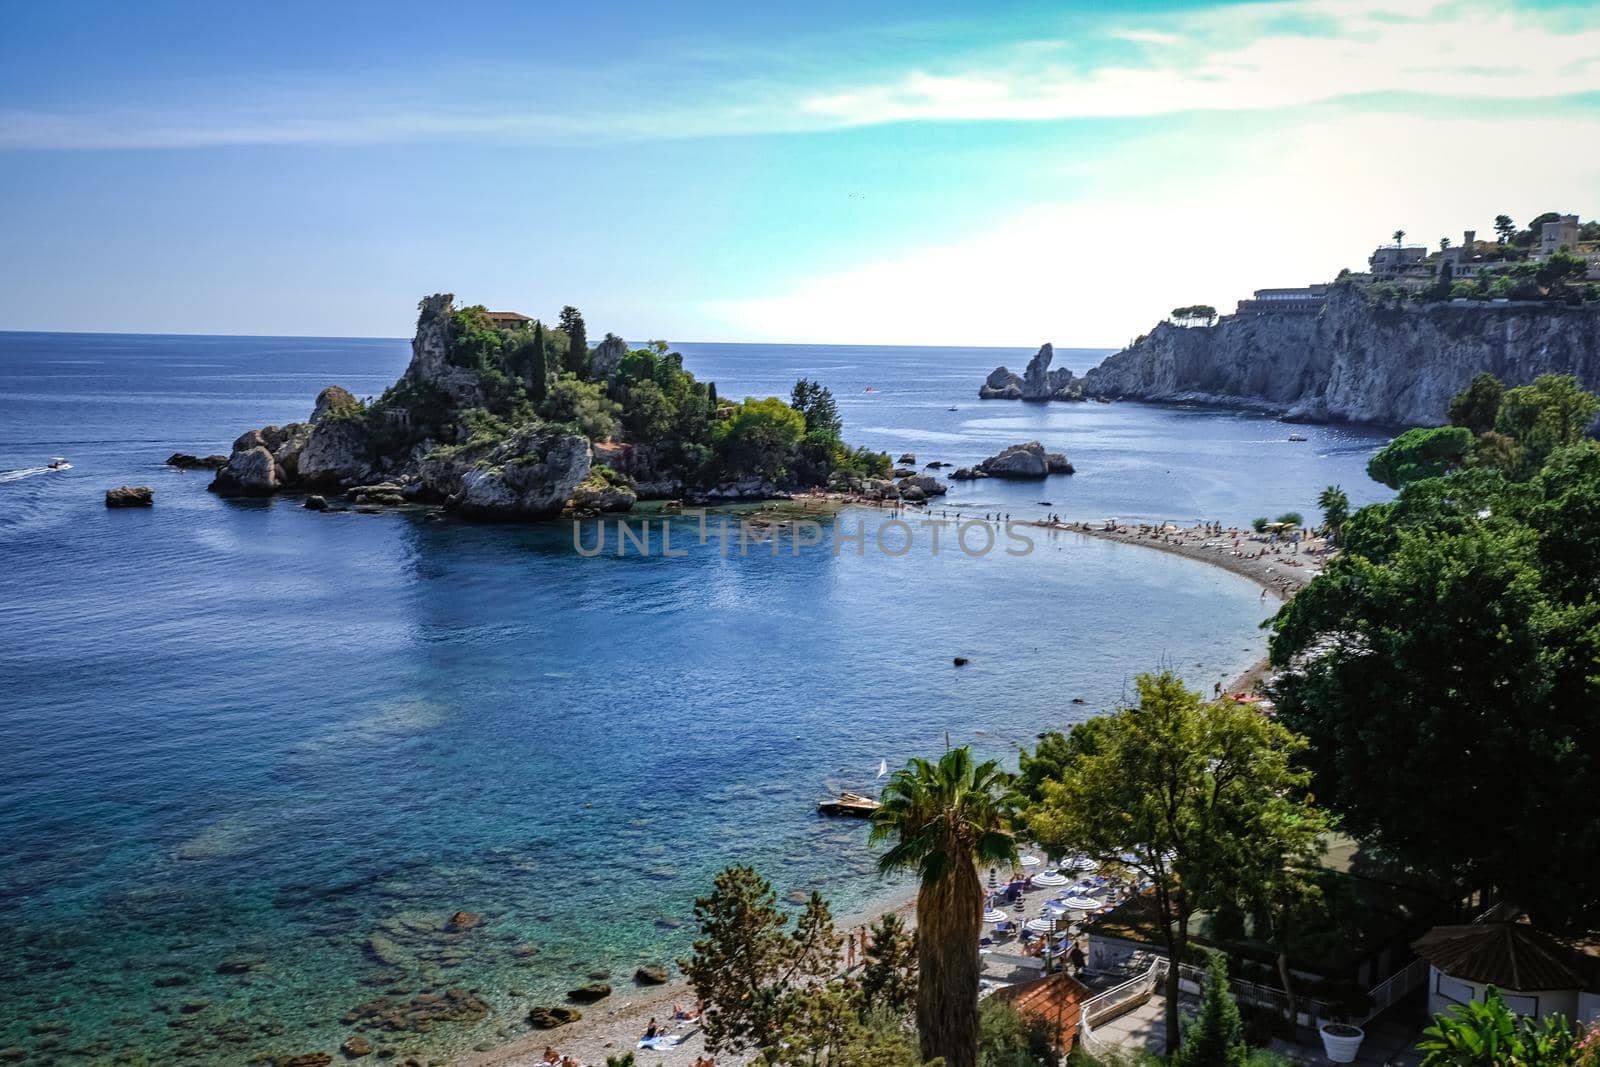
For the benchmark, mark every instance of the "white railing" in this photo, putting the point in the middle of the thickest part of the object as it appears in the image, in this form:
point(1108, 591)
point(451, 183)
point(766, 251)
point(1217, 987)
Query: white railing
point(1394, 987)
point(1119, 999)
point(1116, 1000)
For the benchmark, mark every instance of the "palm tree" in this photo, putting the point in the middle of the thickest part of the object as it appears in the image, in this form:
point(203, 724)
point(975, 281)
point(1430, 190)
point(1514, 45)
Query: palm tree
point(945, 819)
point(1335, 505)
point(1399, 235)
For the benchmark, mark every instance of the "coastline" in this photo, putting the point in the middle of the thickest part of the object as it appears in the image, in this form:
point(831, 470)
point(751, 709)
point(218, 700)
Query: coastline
point(614, 1030)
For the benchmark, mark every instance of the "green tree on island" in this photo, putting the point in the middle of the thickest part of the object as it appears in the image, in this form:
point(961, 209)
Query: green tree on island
point(1421, 453)
point(1504, 228)
point(943, 820)
point(577, 341)
point(1202, 799)
point(815, 402)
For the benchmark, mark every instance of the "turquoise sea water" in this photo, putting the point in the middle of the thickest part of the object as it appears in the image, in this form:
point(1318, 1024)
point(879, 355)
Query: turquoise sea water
point(243, 734)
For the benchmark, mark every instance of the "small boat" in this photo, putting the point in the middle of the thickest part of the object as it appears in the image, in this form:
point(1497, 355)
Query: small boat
point(59, 464)
point(852, 804)
point(869, 389)
point(1297, 437)
point(952, 408)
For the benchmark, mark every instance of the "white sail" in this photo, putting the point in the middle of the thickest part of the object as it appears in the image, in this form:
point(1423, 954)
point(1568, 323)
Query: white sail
point(883, 768)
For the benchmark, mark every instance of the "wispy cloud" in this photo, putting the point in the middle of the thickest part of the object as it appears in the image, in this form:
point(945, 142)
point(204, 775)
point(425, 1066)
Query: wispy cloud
point(1239, 57)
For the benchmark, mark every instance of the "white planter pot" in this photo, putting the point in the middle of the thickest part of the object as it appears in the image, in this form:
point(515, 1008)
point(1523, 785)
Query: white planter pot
point(1341, 1047)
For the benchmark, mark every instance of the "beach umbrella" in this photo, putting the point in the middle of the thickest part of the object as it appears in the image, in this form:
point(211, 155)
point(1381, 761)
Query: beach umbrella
point(994, 915)
point(1029, 862)
point(1050, 878)
point(1082, 903)
point(1041, 925)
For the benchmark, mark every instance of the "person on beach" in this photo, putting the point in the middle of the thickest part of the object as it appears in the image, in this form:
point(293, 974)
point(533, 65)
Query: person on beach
point(1077, 959)
point(651, 1029)
point(551, 1055)
point(850, 951)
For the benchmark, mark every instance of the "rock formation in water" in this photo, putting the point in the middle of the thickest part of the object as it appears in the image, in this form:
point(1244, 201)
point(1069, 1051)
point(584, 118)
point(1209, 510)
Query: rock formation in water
point(1024, 462)
point(1037, 381)
point(1355, 360)
point(130, 496)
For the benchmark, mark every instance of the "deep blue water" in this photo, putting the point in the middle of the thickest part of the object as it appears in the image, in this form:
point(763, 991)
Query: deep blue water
point(241, 729)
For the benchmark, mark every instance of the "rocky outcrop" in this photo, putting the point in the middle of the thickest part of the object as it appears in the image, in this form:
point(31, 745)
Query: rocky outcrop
point(651, 974)
point(552, 1017)
point(334, 400)
point(1355, 361)
point(185, 461)
point(1022, 462)
point(1001, 384)
point(589, 992)
point(531, 474)
point(607, 357)
point(337, 451)
point(130, 496)
point(1037, 382)
point(922, 486)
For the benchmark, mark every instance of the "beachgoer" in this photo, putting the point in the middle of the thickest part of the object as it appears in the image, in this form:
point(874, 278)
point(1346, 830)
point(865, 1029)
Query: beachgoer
point(551, 1055)
point(651, 1029)
point(1076, 957)
point(850, 951)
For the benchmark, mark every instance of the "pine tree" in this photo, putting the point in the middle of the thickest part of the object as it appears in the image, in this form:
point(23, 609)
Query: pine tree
point(889, 976)
point(578, 338)
point(1215, 1038)
point(711, 397)
point(538, 371)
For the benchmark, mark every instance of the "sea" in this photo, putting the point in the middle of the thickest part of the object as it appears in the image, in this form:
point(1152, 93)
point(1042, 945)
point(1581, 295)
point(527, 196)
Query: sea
point(253, 758)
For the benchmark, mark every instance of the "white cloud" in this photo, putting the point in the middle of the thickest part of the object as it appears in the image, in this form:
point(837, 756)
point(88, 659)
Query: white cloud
point(1251, 57)
point(1201, 217)
point(1239, 57)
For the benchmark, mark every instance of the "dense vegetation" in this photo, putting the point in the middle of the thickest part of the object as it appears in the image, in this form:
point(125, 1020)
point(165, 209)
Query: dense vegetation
point(530, 376)
point(1446, 666)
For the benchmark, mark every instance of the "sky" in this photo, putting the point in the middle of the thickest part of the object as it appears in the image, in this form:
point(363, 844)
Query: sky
point(875, 173)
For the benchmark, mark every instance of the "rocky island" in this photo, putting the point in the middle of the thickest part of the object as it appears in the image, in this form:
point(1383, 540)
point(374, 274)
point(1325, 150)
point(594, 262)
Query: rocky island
point(498, 416)
point(1388, 345)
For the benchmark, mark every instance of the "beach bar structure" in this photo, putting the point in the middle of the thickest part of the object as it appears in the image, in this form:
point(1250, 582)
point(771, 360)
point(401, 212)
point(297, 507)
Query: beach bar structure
point(1535, 973)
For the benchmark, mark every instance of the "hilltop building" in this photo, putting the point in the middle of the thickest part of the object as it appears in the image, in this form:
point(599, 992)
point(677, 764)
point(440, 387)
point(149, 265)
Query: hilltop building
point(507, 319)
point(1305, 299)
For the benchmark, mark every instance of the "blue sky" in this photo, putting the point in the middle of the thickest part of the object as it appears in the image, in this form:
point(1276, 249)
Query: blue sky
point(889, 173)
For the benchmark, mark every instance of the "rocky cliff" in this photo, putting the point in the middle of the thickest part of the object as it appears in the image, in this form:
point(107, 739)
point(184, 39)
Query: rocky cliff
point(1355, 361)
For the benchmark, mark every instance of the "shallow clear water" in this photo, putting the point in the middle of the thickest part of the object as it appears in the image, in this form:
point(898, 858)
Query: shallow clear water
point(243, 730)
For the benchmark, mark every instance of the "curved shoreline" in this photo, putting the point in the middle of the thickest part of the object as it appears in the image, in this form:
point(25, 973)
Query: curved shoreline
point(596, 1036)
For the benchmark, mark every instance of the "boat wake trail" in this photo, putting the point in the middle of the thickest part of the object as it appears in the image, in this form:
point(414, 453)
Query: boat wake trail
point(27, 472)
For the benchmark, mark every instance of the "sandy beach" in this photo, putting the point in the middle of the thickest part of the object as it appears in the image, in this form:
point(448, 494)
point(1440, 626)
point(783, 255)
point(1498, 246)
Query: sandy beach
point(614, 1026)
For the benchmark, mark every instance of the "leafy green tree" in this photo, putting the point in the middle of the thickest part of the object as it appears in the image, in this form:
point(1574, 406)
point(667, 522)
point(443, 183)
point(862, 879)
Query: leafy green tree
point(1007, 1039)
point(582, 405)
point(577, 341)
point(815, 401)
point(1259, 524)
point(1552, 412)
point(1420, 453)
point(1488, 1034)
point(889, 974)
point(745, 968)
point(1291, 518)
point(1504, 228)
point(1335, 505)
point(828, 1026)
point(1216, 1036)
point(1202, 799)
point(944, 818)
point(759, 437)
point(1447, 658)
point(1476, 406)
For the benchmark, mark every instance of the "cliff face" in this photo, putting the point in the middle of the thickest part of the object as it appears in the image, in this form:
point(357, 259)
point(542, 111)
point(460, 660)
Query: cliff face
point(1353, 362)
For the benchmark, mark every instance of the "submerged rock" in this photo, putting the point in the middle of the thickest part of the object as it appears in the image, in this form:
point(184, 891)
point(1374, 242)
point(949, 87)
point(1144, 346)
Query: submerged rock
point(355, 1047)
point(589, 992)
point(552, 1017)
point(651, 974)
point(130, 496)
